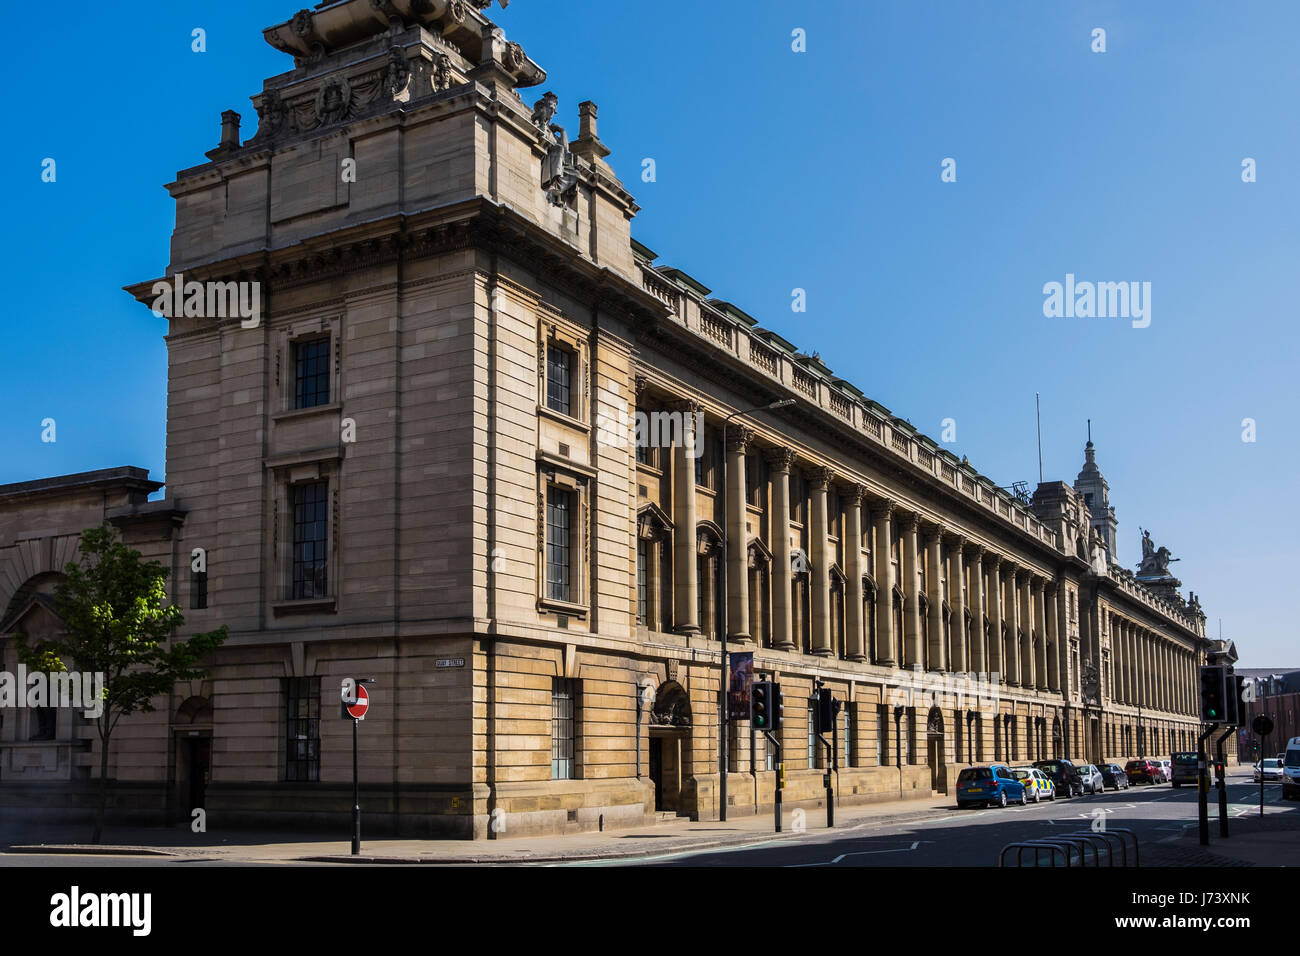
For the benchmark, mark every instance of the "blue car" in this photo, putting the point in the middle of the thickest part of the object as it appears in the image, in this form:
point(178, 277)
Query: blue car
point(990, 785)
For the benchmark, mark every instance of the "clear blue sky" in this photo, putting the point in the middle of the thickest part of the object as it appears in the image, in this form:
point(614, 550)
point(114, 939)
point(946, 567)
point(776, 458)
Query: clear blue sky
point(816, 170)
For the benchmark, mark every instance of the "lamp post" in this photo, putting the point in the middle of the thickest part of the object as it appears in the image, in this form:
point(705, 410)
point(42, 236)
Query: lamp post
point(722, 723)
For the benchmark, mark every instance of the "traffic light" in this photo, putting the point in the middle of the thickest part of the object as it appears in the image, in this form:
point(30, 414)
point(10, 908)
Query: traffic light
point(760, 702)
point(825, 710)
point(1214, 694)
point(1239, 687)
point(1230, 699)
point(778, 705)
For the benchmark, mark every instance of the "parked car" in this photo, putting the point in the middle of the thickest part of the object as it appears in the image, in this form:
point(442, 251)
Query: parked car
point(1291, 770)
point(1185, 768)
point(1113, 776)
point(1270, 769)
point(1090, 776)
point(1037, 785)
point(989, 785)
point(1064, 776)
point(1144, 771)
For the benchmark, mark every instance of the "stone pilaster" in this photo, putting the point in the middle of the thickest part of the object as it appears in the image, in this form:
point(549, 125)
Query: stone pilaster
point(1041, 652)
point(978, 648)
point(1011, 610)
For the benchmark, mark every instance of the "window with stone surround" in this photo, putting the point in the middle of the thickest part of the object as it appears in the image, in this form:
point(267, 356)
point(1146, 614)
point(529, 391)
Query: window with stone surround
point(563, 506)
point(882, 735)
point(310, 515)
point(562, 370)
point(311, 361)
point(564, 729)
point(302, 729)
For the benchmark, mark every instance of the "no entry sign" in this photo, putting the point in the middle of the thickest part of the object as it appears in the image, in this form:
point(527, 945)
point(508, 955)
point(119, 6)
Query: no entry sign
point(358, 710)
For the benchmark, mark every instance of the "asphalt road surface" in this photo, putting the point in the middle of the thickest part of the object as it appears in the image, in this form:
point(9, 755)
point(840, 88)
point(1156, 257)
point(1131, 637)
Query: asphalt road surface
point(975, 837)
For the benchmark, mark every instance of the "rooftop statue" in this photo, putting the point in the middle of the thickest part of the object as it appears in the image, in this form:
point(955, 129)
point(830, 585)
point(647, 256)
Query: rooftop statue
point(1155, 561)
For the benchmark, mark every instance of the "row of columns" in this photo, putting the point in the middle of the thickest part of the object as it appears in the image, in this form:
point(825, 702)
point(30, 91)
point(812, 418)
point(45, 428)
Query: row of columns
point(999, 589)
point(1151, 671)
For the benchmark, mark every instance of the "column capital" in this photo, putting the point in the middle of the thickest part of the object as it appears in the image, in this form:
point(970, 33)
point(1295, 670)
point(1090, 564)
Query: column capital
point(740, 438)
point(640, 383)
point(934, 531)
point(687, 406)
point(959, 544)
point(911, 522)
point(883, 507)
point(820, 477)
point(993, 558)
point(852, 492)
point(976, 552)
point(781, 459)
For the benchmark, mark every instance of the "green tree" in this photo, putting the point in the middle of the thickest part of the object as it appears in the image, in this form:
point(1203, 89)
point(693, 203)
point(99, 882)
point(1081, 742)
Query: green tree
point(117, 622)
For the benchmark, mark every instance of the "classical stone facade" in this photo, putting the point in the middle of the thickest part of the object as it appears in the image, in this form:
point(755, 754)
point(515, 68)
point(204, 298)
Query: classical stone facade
point(474, 448)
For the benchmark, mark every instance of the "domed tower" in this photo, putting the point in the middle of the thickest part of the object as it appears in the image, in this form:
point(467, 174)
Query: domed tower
point(1092, 484)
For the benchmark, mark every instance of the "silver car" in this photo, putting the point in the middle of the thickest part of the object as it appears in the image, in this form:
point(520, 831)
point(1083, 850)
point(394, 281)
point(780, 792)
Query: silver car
point(1093, 781)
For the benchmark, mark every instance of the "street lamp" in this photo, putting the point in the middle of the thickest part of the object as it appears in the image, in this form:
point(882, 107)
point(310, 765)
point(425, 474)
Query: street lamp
point(722, 747)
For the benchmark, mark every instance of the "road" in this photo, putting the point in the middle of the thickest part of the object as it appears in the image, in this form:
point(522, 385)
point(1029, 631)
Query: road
point(975, 837)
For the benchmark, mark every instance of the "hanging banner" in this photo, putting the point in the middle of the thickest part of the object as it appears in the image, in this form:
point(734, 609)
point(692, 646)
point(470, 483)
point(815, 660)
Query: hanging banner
point(738, 684)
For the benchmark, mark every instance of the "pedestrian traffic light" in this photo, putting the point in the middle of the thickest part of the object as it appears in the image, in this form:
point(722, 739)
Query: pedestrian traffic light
point(760, 702)
point(778, 705)
point(1214, 694)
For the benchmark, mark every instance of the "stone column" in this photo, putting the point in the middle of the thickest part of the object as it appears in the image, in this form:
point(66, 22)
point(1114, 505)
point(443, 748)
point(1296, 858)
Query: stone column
point(855, 626)
point(994, 594)
point(1062, 637)
point(1040, 625)
point(739, 440)
point(882, 513)
point(957, 602)
point(819, 575)
point(1130, 663)
point(685, 583)
point(780, 460)
point(1011, 605)
point(1051, 611)
point(911, 593)
point(1026, 619)
point(934, 581)
point(975, 568)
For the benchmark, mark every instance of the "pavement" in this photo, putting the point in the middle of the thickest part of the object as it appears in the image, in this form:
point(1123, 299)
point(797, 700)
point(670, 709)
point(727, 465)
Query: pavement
point(1272, 840)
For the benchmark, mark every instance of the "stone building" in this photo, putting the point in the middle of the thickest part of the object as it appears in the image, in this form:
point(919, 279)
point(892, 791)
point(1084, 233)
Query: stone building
point(477, 445)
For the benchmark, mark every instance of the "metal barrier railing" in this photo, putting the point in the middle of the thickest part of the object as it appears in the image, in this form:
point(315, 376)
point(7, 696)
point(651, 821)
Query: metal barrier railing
point(1036, 846)
point(1081, 841)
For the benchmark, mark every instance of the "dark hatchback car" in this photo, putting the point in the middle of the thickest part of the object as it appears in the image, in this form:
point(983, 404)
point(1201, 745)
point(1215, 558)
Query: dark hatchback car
point(1114, 776)
point(1064, 774)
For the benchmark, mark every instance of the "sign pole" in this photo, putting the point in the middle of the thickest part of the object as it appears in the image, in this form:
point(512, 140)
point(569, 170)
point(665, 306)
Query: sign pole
point(356, 794)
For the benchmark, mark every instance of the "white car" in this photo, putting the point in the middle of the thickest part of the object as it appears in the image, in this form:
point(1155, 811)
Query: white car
point(1037, 784)
point(1269, 769)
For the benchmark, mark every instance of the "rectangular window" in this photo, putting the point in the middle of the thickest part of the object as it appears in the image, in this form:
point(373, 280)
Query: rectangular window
point(814, 758)
point(911, 735)
point(43, 723)
point(302, 728)
point(847, 757)
point(559, 510)
point(310, 523)
point(312, 373)
point(198, 590)
point(642, 590)
point(882, 735)
point(564, 708)
point(559, 377)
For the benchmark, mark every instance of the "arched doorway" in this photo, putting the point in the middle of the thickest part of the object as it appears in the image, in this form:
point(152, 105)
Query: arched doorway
point(934, 755)
point(192, 734)
point(670, 751)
